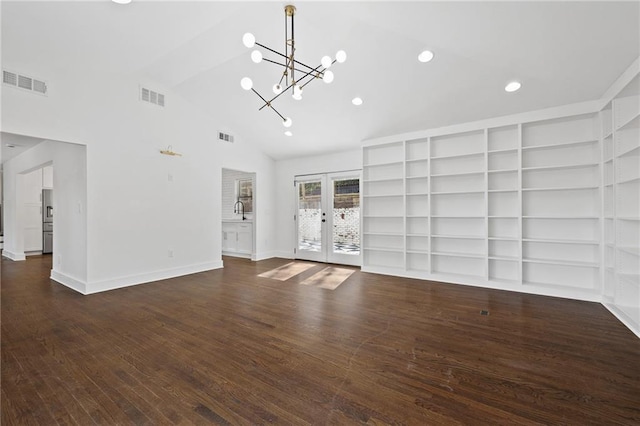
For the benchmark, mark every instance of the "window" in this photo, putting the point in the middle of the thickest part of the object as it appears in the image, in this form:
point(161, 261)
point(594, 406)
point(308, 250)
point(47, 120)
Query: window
point(244, 193)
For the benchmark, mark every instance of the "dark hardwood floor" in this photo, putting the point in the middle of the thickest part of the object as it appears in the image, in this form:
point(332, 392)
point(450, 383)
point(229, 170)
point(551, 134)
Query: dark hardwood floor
point(227, 347)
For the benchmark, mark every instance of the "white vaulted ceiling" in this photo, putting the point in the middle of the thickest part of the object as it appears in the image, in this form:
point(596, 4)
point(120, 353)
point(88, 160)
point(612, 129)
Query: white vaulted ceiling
point(562, 52)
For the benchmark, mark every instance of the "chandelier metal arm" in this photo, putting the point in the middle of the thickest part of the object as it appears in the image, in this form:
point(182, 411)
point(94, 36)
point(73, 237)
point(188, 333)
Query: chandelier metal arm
point(283, 55)
point(268, 103)
point(282, 65)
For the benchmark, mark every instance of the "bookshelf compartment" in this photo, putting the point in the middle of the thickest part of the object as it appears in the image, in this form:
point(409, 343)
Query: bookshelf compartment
point(383, 172)
point(418, 262)
point(504, 270)
point(471, 163)
point(417, 149)
point(383, 187)
point(628, 168)
point(503, 160)
point(383, 225)
point(418, 168)
point(627, 294)
point(561, 178)
point(418, 225)
point(384, 259)
point(458, 204)
point(559, 275)
point(503, 227)
point(626, 110)
point(466, 227)
point(503, 180)
point(628, 233)
point(417, 205)
point(561, 130)
point(573, 229)
point(457, 183)
point(456, 144)
point(628, 262)
point(504, 248)
point(628, 199)
point(384, 206)
point(570, 202)
point(627, 140)
point(458, 246)
point(503, 204)
point(418, 185)
point(567, 155)
point(552, 251)
point(461, 266)
point(415, 243)
point(383, 154)
point(384, 242)
point(501, 138)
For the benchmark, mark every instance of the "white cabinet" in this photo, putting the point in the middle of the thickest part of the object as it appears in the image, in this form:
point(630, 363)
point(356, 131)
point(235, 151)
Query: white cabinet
point(237, 238)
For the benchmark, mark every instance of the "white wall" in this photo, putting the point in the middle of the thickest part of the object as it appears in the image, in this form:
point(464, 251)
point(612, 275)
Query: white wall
point(286, 170)
point(140, 204)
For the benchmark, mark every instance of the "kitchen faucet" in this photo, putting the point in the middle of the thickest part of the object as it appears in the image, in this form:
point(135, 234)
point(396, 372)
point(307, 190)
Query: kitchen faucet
point(236, 209)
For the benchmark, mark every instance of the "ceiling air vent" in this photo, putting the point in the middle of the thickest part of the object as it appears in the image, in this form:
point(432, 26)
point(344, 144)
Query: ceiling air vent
point(225, 137)
point(147, 95)
point(24, 82)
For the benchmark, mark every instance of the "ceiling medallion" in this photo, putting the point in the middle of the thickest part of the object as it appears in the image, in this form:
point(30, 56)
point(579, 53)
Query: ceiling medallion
point(295, 75)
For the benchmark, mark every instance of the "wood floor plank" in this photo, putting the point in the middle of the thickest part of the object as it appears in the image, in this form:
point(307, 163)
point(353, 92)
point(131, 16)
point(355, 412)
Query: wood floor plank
point(230, 347)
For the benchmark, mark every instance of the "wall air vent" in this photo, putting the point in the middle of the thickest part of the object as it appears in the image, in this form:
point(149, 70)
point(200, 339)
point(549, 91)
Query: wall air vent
point(24, 82)
point(225, 137)
point(148, 95)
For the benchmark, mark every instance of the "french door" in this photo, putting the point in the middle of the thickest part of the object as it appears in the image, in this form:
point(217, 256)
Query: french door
point(328, 218)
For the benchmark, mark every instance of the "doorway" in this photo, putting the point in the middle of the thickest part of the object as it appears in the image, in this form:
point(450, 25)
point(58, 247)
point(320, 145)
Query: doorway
point(327, 218)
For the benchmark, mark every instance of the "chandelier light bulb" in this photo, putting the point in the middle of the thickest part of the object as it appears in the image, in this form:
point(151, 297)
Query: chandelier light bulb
point(246, 83)
point(277, 89)
point(356, 101)
point(288, 133)
point(326, 61)
point(341, 56)
point(297, 96)
point(297, 90)
point(328, 77)
point(249, 40)
point(256, 56)
point(287, 122)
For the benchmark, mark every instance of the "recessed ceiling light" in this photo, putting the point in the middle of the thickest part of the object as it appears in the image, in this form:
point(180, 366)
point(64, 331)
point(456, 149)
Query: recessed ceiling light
point(512, 86)
point(288, 133)
point(356, 101)
point(121, 1)
point(425, 56)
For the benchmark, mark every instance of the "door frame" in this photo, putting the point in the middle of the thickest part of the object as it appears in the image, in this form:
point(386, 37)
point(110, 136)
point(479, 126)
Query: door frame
point(327, 254)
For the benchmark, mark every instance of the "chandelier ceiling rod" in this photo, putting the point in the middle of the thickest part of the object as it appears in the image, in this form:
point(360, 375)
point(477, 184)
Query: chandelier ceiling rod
point(296, 86)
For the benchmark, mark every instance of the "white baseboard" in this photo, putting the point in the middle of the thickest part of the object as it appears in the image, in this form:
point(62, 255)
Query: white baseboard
point(112, 284)
point(13, 256)
point(265, 255)
point(623, 318)
point(66, 280)
point(285, 254)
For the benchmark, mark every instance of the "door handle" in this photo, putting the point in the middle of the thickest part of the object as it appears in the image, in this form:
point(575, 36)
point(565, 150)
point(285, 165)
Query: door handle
point(324, 220)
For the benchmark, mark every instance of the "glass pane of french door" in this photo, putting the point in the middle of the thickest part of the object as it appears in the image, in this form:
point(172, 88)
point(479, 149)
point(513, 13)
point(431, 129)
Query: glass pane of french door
point(310, 218)
point(345, 219)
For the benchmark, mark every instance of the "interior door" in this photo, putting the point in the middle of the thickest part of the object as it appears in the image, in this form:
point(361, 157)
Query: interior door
point(328, 218)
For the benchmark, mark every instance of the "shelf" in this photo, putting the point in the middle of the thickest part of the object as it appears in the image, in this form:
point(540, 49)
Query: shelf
point(385, 249)
point(608, 160)
point(509, 258)
point(633, 122)
point(560, 241)
point(456, 192)
point(560, 217)
point(417, 216)
point(558, 145)
point(417, 251)
point(629, 180)
point(502, 150)
point(462, 276)
point(382, 196)
point(383, 180)
point(502, 190)
point(458, 174)
point(573, 166)
point(635, 278)
point(630, 151)
point(562, 262)
point(503, 238)
point(630, 250)
point(418, 177)
point(502, 171)
point(452, 254)
point(470, 154)
point(417, 193)
point(458, 217)
point(416, 160)
point(385, 234)
point(503, 217)
point(382, 217)
point(628, 218)
point(390, 163)
point(504, 280)
point(459, 237)
point(565, 188)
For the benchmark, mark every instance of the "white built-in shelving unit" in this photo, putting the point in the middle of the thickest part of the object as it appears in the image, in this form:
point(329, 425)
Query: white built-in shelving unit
point(516, 206)
point(621, 210)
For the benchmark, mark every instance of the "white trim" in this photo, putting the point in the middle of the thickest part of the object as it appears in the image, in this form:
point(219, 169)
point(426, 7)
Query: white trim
point(72, 283)
point(622, 81)
point(283, 254)
point(623, 318)
point(590, 107)
point(265, 255)
point(112, 284)
point(13, 256)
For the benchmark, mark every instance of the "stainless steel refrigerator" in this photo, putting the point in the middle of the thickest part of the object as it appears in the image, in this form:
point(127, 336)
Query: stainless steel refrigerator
point(47, 221)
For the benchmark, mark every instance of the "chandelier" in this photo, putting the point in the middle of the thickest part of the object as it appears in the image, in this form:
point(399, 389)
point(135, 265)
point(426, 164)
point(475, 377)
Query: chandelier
point(295, 75)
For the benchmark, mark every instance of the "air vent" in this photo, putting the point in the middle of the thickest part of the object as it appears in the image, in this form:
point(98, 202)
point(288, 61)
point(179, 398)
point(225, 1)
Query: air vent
point(147, 95)
point(225, 137)
point(24, 82)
